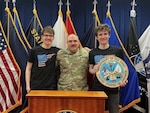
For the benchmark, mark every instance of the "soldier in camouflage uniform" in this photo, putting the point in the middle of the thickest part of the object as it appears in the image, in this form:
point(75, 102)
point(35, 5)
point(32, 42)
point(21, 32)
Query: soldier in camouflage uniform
point(73, 62)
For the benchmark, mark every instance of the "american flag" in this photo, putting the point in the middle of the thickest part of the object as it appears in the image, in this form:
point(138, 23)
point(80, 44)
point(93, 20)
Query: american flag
point(10, 93)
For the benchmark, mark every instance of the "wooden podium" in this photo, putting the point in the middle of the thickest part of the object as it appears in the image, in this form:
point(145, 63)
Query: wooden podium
point(43, 101)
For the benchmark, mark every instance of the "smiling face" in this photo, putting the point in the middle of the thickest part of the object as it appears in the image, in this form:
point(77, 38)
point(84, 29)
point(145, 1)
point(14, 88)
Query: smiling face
point(73, 43)
point(102, 34)
point(47, 36)
point(47, 39)
point(103, 37)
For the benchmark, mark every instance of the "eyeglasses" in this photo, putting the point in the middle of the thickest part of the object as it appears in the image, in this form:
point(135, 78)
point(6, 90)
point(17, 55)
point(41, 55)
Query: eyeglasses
point(48, 35)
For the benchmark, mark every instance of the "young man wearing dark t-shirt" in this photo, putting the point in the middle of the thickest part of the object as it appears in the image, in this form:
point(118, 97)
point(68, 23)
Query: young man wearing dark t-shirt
point(102, 34)
point(41, 65)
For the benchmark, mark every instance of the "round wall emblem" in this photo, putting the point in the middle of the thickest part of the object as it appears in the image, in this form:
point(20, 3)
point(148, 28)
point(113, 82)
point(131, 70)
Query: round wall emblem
point(112, 71)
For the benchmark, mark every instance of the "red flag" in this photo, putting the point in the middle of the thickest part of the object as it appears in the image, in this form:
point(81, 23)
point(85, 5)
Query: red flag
point(69, 25)
point(10, 93)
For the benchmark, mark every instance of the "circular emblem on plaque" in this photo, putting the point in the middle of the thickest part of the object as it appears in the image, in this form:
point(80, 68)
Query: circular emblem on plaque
point(66, 111)
point(112, 71)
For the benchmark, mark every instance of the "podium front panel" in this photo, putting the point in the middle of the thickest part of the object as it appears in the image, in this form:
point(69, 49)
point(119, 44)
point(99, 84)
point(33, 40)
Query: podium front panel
point(41, 101)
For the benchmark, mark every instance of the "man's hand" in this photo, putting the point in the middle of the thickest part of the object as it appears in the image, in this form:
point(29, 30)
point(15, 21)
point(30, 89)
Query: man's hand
point(122, 84)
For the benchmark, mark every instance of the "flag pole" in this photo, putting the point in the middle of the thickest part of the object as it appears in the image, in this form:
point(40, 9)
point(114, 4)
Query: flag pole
point(108, 6)
point(34, 21)
point(7, 1)
point(34, 4)
point(68, 4)
point(14, 6)
point(60, 4)
point(68, 9)
point(94, 11)
point(94, 3)
point(14, 3)
point(68, 15)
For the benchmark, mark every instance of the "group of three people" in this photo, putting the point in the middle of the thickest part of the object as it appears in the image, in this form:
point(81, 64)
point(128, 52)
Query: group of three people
point(51, 68)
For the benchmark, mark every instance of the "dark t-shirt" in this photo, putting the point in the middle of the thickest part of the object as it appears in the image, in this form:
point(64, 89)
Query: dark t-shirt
point(44, 67)
point(95, 56)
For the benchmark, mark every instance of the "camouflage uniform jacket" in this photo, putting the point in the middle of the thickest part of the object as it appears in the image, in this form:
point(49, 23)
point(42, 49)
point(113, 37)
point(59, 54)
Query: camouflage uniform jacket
point(73, 69)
